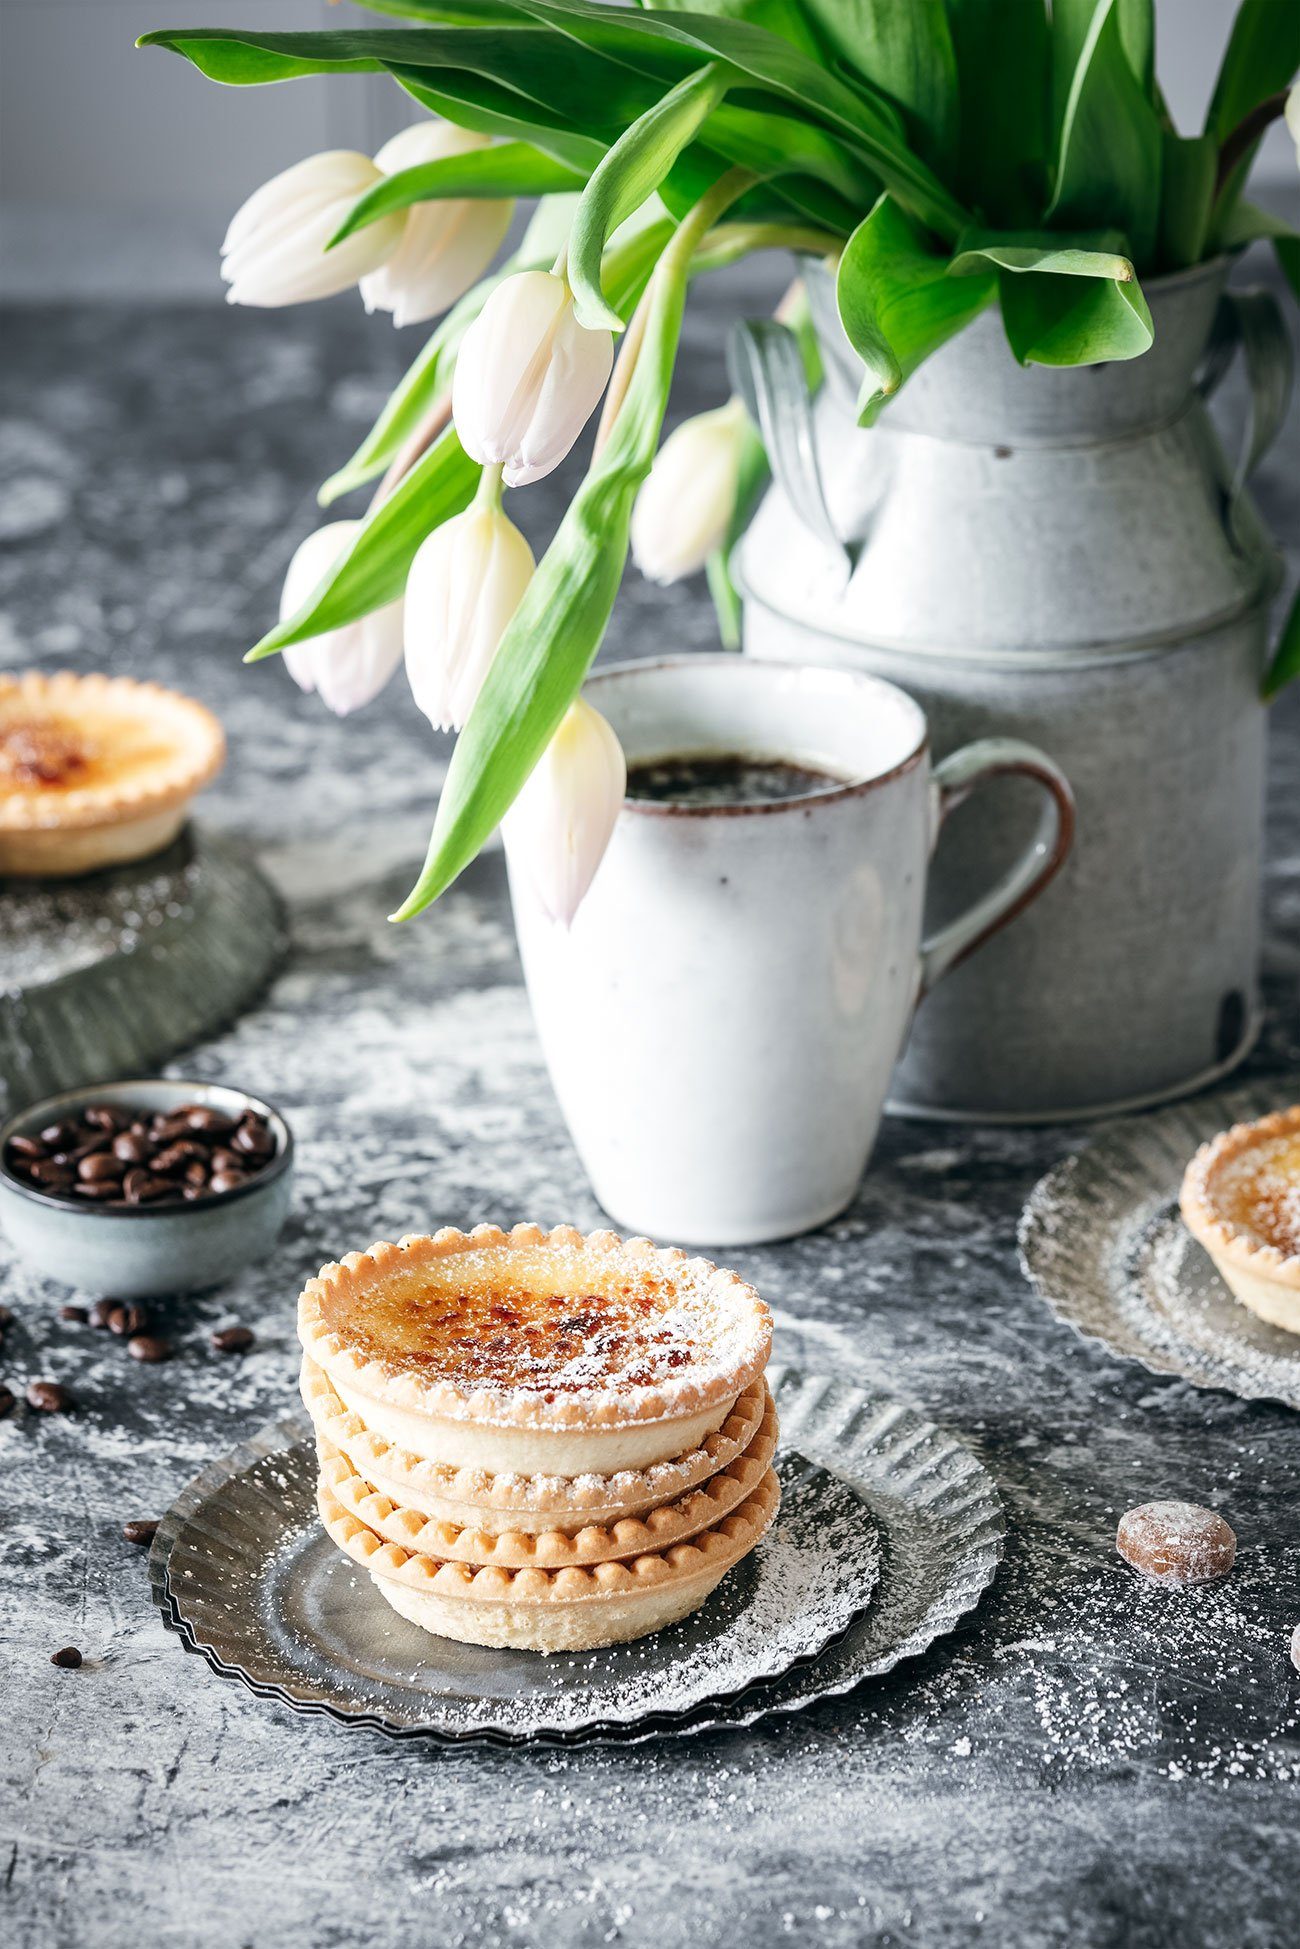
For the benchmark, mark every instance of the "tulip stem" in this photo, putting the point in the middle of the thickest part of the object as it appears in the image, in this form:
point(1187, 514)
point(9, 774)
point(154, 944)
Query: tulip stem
point(680, 248)
point(488, 493)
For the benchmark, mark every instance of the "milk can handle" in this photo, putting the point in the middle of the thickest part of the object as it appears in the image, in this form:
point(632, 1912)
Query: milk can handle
point(954, 781)
point(1251, 321)
point(767, 371)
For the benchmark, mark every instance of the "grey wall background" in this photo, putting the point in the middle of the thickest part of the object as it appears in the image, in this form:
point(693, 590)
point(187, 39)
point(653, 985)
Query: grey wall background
point(119, 167)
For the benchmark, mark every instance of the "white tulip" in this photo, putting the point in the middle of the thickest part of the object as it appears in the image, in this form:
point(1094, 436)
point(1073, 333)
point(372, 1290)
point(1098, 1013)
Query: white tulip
point(685, 505)
point(274, 252)
point(558, 828)
point(348, 666)
point(528, 377)
point(466, 582)
point(1293, 118)
point(446, 244)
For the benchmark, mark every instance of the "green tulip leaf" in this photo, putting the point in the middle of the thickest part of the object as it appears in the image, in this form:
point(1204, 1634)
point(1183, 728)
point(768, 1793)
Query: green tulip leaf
point(373, 571)
point(1097, 253)
point(904, 51)
point(1110, 151)
point(1285, 667)
point(508, 170)
point(1002, 64)
point(1260, 60)
point(1186, 197)
point(631, 171)
point(897, 302)
point(1054, 320)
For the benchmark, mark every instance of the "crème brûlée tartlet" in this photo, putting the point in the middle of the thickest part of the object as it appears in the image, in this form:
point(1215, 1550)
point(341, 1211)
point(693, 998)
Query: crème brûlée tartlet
point(539, 1439)
point(1241, 1201)
point(96, 771)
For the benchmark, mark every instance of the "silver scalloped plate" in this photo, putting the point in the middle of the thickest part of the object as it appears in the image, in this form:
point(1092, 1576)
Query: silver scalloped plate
point(1102, 1242)
point(880, 1486)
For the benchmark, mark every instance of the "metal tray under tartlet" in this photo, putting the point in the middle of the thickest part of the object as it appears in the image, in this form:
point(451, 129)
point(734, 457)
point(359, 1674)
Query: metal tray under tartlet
point(1102, 1241)
point(111, 974)
point(923, 1509)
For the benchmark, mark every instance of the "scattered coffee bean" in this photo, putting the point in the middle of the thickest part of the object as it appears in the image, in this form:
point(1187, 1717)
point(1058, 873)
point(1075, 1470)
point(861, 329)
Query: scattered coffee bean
point(149, 1348)
point(127, 1318)
point(48, 1397)
point(6, 1318)
point(68, 1660)
point(75, 1315)
point(141, 1529)
point(232, 1339)
point(102, 1311)
point(8, 1400)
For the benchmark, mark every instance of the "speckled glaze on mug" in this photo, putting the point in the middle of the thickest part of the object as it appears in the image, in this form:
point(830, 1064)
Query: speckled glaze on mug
point(722, 1019)
point(143, 1251)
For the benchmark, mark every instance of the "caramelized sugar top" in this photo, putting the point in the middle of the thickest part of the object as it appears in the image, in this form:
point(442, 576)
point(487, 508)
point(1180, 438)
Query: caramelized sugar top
point(478, 1328)
point(55, 752)
point(1259, 1192)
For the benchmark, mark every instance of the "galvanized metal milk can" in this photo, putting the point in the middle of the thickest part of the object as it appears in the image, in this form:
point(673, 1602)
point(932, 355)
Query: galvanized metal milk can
point(1064, 556)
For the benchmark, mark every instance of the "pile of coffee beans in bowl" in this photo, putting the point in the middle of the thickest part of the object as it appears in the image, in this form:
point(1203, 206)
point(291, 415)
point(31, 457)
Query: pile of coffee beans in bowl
point(112, 1155)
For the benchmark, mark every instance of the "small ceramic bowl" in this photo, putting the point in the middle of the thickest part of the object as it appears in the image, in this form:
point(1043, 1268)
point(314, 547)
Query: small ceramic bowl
point(142, 1251)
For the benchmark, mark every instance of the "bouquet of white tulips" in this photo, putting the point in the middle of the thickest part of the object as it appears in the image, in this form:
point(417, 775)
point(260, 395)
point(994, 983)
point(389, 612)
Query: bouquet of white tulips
point(946, 155)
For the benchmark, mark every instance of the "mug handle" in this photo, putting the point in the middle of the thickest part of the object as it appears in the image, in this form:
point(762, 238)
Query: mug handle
point(955, 779)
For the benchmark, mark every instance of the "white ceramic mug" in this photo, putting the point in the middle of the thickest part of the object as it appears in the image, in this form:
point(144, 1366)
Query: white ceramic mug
point(722, 1018)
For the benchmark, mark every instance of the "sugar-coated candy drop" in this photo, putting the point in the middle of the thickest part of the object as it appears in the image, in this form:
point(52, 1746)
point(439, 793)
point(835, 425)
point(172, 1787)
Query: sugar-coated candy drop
point(1176, 1542)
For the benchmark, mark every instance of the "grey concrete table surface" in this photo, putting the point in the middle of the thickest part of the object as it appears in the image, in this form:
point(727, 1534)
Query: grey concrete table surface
point(1085, 1761)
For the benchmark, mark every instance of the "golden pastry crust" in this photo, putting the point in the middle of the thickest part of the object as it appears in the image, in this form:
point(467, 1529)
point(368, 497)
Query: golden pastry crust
point(631, 1536)
point(712, 1551)
point(1216, 1218)
point(79, 752)
point(455, 1327)
point(573, 1500)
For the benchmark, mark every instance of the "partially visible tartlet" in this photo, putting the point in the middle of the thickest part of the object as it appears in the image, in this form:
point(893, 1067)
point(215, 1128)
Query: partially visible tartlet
point(96, 771)
point(1241, 1201)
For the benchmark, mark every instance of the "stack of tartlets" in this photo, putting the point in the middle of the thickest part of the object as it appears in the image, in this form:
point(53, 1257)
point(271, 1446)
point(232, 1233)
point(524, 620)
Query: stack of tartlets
point(535, 1439)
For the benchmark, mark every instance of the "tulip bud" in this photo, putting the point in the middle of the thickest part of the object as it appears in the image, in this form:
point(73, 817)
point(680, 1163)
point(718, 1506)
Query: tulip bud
point(558, 828)
point(466, 582)
point(686, 502)
point(528, 376)
point(275, 254)
point(447, 244)
point(349, 666)
point(1293, 118)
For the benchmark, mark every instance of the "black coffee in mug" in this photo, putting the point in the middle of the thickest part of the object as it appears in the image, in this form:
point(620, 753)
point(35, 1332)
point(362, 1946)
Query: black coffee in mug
point(725, 778)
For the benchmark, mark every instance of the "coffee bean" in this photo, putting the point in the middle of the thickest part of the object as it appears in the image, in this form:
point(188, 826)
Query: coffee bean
point(6, 1318)
point(102, 1116)
point(100, 1168)
point(197, 1172)
point(132, 1149)
point(126, 1318)
point(223, 1181)
point(8, 1400)
point(210, 1123)
point(27, 1147)
point(75, 1315)
point(232, 1339)
point(100, 1192)
point(252, 1141)
point(56, 1135)
point(69, 1659)
point(47, 1397)
point(165, 1130)
point(175, 1157)
point(149, 1348)
point(191, 1191)
point(102, 1311)
point(95, 1143)
point(51, 1175)
point(227, 1160)
point(141, 1187)
point(141, 1529)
